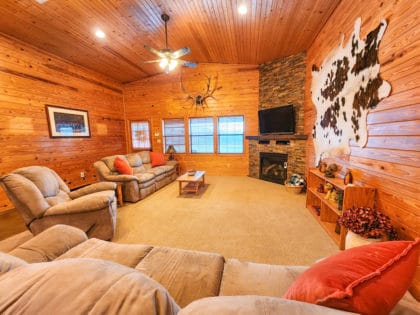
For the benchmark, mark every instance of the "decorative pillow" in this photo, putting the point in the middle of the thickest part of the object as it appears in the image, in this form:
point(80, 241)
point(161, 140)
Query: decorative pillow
point(157, 159)
point(122, 166)
point(369, 279)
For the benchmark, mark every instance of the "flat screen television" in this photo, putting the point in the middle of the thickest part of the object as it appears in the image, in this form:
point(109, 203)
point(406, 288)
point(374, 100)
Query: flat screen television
point(277, 120)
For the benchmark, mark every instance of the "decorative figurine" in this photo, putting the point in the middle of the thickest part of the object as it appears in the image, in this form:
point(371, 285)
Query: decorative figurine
point(348, 178)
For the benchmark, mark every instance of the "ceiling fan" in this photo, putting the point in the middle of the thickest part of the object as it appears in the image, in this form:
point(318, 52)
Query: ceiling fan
point(169, 59)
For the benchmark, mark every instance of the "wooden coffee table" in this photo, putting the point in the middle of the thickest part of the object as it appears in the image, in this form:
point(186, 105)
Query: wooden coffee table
point(193, 182)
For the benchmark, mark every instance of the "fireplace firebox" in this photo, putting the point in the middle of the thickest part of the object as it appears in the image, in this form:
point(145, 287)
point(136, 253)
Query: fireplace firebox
point(273, 167)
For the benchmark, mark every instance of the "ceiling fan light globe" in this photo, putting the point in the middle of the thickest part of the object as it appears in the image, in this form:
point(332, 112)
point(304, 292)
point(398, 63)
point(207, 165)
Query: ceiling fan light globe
point(172, 64)
point(163, 63)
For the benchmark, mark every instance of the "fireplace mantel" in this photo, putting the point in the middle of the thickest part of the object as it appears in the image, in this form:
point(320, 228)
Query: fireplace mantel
point(277, 137)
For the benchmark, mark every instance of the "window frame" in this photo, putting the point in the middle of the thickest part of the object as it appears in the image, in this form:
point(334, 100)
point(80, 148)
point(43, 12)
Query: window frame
point(213, 134)
point(242, 134)
point(164, 137)
point(131, 122)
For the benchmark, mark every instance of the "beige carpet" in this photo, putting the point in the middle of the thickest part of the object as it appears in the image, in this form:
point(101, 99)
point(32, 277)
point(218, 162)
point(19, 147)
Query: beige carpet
point(236, 216)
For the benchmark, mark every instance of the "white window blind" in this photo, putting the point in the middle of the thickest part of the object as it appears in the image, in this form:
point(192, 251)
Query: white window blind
point(201, 135)
point(174, 134)
point(231, 134)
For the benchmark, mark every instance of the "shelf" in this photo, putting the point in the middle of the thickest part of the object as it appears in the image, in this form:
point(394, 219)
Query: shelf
point(353, 196)
point(336, 181)
point(277, 137)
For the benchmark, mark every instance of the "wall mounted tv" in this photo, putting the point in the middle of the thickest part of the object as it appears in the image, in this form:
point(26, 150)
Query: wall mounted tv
point(277, 120)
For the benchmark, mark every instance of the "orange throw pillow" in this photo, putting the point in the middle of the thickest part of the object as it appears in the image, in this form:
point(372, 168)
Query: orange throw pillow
point(369, 279)
point(122, 166)
point(157, 158)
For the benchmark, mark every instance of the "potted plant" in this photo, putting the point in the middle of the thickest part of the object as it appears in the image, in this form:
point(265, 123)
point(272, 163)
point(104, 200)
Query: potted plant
point(368, 224)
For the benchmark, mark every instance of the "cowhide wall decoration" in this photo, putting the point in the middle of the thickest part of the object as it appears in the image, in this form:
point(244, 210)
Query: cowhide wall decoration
point(343, 90)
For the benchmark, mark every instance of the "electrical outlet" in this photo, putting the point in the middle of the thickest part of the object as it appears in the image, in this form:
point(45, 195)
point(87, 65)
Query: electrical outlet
point(82, 175)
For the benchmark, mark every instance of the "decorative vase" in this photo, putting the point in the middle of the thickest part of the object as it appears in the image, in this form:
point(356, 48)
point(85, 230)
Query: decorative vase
point(354, 240)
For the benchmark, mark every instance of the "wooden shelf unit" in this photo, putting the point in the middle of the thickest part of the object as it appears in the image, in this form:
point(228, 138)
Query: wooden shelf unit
point(353, 196)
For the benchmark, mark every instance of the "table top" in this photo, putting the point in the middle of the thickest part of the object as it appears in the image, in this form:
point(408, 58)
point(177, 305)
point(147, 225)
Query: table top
point(193, 178)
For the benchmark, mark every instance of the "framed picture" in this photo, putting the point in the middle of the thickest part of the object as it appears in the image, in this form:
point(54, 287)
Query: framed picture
point(66, 122)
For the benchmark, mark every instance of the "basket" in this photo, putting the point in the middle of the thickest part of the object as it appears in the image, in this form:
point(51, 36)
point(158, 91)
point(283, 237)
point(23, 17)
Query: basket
point(293, 189)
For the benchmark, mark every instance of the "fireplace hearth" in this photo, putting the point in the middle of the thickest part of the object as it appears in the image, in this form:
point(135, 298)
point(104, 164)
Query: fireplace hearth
point(273, 167)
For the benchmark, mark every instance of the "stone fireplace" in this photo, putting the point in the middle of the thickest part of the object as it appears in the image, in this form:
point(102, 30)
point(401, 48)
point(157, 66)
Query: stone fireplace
point(282, 82)
point(292, 149)
point(273, 167)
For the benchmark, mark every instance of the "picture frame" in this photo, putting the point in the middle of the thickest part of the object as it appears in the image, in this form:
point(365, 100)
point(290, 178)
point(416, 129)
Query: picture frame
point(64, 122)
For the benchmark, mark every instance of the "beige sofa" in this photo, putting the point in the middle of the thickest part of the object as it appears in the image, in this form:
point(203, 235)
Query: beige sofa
point(91, 275)
point(145, 180)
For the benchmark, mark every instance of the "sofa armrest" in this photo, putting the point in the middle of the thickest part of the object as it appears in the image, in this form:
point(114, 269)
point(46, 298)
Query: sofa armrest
point(95, 187)
point(92, 202)
point(49, 244)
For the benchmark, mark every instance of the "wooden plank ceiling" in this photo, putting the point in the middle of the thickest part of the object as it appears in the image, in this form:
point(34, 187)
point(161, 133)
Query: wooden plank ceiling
point(213, 30)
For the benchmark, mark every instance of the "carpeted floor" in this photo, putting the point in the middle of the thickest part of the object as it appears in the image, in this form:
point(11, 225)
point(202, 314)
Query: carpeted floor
point(236, 216)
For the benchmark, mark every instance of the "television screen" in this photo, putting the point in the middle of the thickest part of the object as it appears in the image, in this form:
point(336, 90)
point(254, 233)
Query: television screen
point(277, 120)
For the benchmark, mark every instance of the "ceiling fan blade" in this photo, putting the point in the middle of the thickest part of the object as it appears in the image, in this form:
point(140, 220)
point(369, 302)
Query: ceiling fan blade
point(188, 63)
point(180, 52)
point(155, 51)
point(151, 61)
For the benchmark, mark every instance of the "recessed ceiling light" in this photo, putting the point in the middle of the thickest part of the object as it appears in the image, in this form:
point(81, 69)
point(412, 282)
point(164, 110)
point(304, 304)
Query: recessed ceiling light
point(242, 9)
point(41, 1)
point(99, 33)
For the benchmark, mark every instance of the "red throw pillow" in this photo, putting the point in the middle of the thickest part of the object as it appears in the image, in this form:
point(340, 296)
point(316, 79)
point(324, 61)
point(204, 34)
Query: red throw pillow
point(122, 166)
point(369, 279)
point(157, 158)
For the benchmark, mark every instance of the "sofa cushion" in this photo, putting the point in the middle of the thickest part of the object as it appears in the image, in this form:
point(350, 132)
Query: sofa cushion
point(139, 169)
point(50, 243)
point(14, 241)
point(247, 278)
point(144, 177)
point(122, 166)
point(125, 254)
point(134, 159)
point(352, 279)
point(254, 305)
point(8, 262)
point(188, 275)
point(157, 158)
point(82, 286)
point(42, 177)
point(158, 170)
point(145, 156)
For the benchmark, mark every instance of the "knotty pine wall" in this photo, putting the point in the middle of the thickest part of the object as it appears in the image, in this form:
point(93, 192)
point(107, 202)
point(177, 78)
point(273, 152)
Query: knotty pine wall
point(161, 97)
point(391, 159)
point(31, 78)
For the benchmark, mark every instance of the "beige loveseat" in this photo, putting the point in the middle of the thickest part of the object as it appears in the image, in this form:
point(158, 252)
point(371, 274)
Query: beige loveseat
point(146, 178)
point(91, 275)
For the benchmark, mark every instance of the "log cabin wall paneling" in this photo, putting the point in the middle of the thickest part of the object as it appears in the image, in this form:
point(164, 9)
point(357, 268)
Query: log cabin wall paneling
point(390, 161)
point(31, 78)
point(161, 97)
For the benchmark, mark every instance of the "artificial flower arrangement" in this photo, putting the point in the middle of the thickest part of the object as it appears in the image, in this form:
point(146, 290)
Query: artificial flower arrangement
point(368, 223)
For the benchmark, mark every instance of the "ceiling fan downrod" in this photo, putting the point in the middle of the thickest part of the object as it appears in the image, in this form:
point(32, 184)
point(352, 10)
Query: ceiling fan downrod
point(165, 18)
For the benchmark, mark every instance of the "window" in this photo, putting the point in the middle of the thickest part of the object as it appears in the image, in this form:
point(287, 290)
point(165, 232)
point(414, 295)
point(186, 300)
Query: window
point(140, 135)
point(231, 134)
point(174, 133)
point(201, 135)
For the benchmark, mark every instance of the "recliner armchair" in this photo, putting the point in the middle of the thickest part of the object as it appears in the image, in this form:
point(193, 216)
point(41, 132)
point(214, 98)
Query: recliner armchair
point(43, 199)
